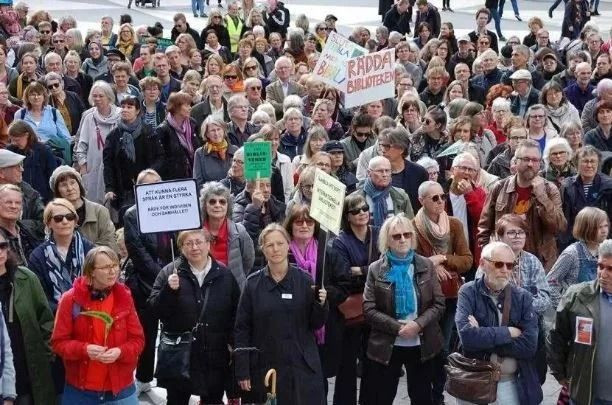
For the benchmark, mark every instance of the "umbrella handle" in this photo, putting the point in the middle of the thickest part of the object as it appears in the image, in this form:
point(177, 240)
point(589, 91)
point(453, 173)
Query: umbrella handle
point(271, 374)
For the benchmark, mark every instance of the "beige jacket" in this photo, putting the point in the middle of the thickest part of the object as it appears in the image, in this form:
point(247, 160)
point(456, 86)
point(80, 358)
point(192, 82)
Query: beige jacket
point(98, 227)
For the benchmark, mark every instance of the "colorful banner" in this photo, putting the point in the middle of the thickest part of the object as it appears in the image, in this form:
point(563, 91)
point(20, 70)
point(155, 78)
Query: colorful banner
point(370, 77)
point(331, 67)
point(327, 201)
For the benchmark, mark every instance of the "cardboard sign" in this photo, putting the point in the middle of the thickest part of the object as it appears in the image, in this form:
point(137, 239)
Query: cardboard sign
point(168, 206)
point(327, 201)
point(331, 67)
point(370, 77)
point(257, 160)
point(584, 330)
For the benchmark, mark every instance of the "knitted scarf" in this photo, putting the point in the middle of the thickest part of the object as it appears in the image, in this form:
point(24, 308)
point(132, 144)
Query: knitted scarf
point(220, 148)
point(129, 133)
point(307, 262)
point(437, 234)
point(379, 198)
point(183, 133)
point(62, 273)
point(401, 273)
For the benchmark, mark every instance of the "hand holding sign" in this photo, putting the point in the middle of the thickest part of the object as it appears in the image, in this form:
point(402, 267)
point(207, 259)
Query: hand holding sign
point(257, 160)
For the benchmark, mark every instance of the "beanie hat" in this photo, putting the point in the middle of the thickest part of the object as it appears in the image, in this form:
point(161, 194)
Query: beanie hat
point(60, 174)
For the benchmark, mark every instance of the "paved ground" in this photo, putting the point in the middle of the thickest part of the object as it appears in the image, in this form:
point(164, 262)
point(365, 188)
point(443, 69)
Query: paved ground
point(353, 13)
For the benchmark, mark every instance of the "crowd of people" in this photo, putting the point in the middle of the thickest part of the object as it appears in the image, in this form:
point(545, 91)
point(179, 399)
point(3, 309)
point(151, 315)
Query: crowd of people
point(478, 201)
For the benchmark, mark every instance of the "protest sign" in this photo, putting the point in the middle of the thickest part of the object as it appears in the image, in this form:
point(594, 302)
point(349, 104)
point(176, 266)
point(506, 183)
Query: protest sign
point(327, 201)
point(370, 77)
point(331, 67)
point(257, 160)
point(168, 206)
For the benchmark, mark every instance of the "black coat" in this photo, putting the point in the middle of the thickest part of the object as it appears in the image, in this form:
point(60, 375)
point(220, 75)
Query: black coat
point(201, 111)
point(85, 83)
point(279, 320)
point(431, 17)
point(222, 35)
point(194, 34)
point(395, 21)
point(180, 310)
point(119, 172)
point(173, 162)
point(75, 107)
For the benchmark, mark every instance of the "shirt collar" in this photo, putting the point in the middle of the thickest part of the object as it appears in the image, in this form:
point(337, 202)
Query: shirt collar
point(607, 296)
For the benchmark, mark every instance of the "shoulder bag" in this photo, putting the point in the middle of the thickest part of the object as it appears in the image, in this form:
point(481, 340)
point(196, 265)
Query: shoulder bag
point(476, 380)
point(174, 350)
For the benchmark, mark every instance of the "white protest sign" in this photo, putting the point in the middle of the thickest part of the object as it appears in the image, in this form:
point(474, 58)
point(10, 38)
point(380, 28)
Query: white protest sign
point(370, 77)
point(327, 201)
point(331, 67)
point(168, 206)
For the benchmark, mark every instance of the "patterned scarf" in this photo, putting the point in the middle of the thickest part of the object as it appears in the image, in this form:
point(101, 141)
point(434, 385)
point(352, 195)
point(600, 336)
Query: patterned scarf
point(183, 133)
point(379, 198)
point(437, 234)
point(401, 274)
point(129, 133)
point(307, 262)
point(220, 148)
point(62, 273)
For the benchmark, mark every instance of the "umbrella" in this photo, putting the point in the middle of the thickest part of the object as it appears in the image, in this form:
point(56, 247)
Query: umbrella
point(271, 374)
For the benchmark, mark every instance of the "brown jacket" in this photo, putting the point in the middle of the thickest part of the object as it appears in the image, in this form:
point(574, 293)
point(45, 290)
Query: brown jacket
point(545, 217)
point(459, 258)
point(379, 310)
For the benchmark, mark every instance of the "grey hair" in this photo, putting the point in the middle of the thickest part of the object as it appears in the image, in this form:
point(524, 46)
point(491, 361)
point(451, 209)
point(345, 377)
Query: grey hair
point(556, 142)
point(268, 109)
point(145, 173)
point(604, 86)
point(53, 76)
point(172, 48)
point(425, 186)
point(50, 56)
point(428, 163)
point(605, 248)
point(568, 126)
point(239, 152)
point(395, 36)
point(283, 59)
point(487, 250)
point(235, 100)
point(376, 160)
point(106, 89)
point(390, 223)
point(465, 156)
point(293, 112)
point(261, 115)
point(524, 49)
point(293, 101)
point(302, 22)
point(108, 17)
point(383, 31)
point(214, 188)
point(501, 103)
point(250, 81)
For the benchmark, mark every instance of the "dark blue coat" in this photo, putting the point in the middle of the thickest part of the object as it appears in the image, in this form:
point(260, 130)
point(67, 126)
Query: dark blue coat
point(489, 337)
point(38, 165)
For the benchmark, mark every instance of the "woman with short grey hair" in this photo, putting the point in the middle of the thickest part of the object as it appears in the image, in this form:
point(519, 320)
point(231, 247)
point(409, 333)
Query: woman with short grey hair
point(432, 167)
point(557, 161)
point(230, 243)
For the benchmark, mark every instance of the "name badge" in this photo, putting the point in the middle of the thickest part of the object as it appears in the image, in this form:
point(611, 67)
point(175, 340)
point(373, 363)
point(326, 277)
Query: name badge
point(584, 330)
point(287, 296)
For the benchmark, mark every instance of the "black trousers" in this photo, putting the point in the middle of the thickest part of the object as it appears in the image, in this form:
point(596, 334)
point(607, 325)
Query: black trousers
point(345, 390)
point(383, 380)
point(146, 361)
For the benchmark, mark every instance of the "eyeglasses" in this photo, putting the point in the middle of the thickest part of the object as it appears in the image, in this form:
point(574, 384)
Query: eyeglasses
point(438, 197)
point(398, 236)
point(304, 221)
point(129, 32)
point(250, 68)
point(560, 153)
point(530, 160)
point(591, 162)
point(500, 264)
point(4, 245)
point(384, 146)
point(230, 77)
point(53, 86)
point(214, 201)
point(69, 217)
point(516, 234)
point(356, 211)
point(107, 269)
point(306, 186)
point(537, 117)
point(216, 16)
point(255, 88)
point(195, 243)
point(517, 138)
point(238, 162)
point(362, 133)
point(466, 169)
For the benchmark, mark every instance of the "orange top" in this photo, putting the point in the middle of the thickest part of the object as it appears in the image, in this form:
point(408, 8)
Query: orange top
point(98, 378)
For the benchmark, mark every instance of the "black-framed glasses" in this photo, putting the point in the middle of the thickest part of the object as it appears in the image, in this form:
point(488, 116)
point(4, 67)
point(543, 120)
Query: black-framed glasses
point(438, 197)
point(357, 211)
point(215, 201)
point(230, 77)
point(51, 86)
point(250, 68)
point(255, 88)
point(69, 217)
point(498, 264)
point(398, 236)
point(363, 133)
point(516, 234)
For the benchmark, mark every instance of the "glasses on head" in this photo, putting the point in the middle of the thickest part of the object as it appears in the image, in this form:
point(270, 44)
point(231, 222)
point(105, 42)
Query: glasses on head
point(4, 245)
point(108, 268)
point(304, 221)
point(398, 236)
point(215, 201)
point(195, 243)
point(230, 77)
point(59, 218)
point(516, 234)
point(500, 264)
point(356, 211)
point(438, 197)
point(51, 86)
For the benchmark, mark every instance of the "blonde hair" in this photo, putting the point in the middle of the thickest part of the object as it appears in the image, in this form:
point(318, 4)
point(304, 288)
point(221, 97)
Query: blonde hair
point(58, 202)
point(390, 223)
point(586, 226)
point(273, 227)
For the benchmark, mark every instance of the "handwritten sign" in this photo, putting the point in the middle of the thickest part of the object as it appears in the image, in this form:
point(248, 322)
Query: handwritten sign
point(327, 201)
point(257, 160)
point(370, 77)
point(168, 206)
point(331, 67)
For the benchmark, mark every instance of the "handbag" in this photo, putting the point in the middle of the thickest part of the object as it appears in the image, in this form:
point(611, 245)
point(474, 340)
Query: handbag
point(352, 307)
point(476, 380)
point(450, 287)
point(174, 350)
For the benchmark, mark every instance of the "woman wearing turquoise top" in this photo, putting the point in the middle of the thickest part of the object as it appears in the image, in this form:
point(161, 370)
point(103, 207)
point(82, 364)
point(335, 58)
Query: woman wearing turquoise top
point(403, 303)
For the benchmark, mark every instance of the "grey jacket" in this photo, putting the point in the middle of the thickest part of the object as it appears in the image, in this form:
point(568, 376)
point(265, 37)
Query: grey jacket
point(401, 201)
point(7, 381)
point(98, 227)
point(241, 254)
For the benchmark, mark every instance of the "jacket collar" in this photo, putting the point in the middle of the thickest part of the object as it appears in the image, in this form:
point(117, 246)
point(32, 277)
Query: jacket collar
point(121, 294)
point(90, 212)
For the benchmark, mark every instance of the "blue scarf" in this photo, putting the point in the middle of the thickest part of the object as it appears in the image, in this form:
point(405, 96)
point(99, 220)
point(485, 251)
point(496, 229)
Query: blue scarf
point(62, 273)
point(379, 198)
point(399, 275)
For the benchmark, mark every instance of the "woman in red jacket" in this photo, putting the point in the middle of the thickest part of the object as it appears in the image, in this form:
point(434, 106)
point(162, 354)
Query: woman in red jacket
point(98, 335)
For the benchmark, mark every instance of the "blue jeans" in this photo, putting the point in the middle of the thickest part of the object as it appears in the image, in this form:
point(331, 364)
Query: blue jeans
point(197, 6)
point(73, 396)
point(514, 7)
point(497, 18)
point(594, 5)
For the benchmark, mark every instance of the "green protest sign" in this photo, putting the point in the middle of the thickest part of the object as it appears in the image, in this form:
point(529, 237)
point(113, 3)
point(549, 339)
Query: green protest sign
point(257, 160)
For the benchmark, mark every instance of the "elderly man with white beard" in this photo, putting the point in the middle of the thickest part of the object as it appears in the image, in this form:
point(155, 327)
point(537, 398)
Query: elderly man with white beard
point(496, 322)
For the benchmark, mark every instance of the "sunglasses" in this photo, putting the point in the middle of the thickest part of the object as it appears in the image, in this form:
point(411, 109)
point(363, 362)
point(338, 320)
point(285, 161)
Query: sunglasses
point(255, 88)
point(399, 236)
point(45, 32)
point(363, 133)
point(250, 68)
point(59, 218)
point(214, 201)
point(363, 208)
point(230, 77)
point(304, 221)
point(499, 264)
point(438, 197)
point(53, 86)
point(4, 245)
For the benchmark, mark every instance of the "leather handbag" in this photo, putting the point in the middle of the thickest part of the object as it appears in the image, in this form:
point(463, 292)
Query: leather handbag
point(450, 287)
point(476, 380)
point(174, 350)
point(352, 307)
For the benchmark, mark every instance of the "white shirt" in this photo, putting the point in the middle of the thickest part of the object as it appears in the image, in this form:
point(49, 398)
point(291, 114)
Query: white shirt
point(200, 274)
point(460, 212)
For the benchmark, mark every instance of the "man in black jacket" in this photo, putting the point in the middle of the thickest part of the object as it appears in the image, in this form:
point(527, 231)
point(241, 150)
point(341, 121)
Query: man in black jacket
point(428, 13)
point(398, 17)
point(181, 26)
point(278, 17)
